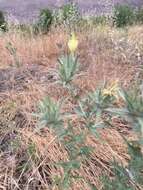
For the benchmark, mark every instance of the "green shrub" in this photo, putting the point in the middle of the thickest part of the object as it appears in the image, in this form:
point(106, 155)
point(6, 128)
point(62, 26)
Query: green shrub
point(123, 15)
point(2, 22)
point(68, 14)
point(44, 21)
point(139, 16)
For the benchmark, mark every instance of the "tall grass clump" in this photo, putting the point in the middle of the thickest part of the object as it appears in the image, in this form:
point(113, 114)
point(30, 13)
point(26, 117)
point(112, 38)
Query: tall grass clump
point(123, 15)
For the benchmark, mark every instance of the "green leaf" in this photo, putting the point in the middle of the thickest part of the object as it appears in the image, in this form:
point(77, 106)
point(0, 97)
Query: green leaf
point(68, 68)
point(85, 150)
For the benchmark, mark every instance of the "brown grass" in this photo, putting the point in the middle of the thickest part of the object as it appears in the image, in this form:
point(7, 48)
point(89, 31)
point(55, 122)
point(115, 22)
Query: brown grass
point(105, 54)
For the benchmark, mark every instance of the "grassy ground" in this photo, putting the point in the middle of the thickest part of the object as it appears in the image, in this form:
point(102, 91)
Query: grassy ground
point(105, 54)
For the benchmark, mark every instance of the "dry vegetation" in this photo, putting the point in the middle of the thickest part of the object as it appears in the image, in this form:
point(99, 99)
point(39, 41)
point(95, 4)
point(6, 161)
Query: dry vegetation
point(105, 54)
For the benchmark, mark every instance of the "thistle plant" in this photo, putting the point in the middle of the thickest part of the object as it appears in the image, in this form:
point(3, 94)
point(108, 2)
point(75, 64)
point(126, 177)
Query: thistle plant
point(127, 178)
point(111, 90)
point(132, 110)
point(92, 108)
point(50, 116)
point(120, 181)
point(77, 151)
point(68, 64)
point(68, 67)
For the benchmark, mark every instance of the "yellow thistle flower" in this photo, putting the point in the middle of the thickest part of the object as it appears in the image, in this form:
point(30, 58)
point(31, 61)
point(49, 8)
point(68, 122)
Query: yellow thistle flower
point(111, 90)
point(73, 43)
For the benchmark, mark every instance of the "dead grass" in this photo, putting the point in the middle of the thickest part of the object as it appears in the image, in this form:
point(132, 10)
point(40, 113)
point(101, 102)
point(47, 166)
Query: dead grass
point(103, 58)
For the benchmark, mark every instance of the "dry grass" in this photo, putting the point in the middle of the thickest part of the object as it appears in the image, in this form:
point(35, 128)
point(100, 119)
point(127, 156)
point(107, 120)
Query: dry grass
point(105, 54)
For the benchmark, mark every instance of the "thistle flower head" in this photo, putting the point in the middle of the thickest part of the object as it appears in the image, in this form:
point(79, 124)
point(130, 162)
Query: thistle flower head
point(73, 43)
point(111, 90)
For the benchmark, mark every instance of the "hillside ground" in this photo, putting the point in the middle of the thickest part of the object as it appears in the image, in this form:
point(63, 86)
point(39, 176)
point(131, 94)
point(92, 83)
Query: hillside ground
point(105, 54)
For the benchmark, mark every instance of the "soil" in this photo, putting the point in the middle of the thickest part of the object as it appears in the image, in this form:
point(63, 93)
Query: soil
point(17, 79)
